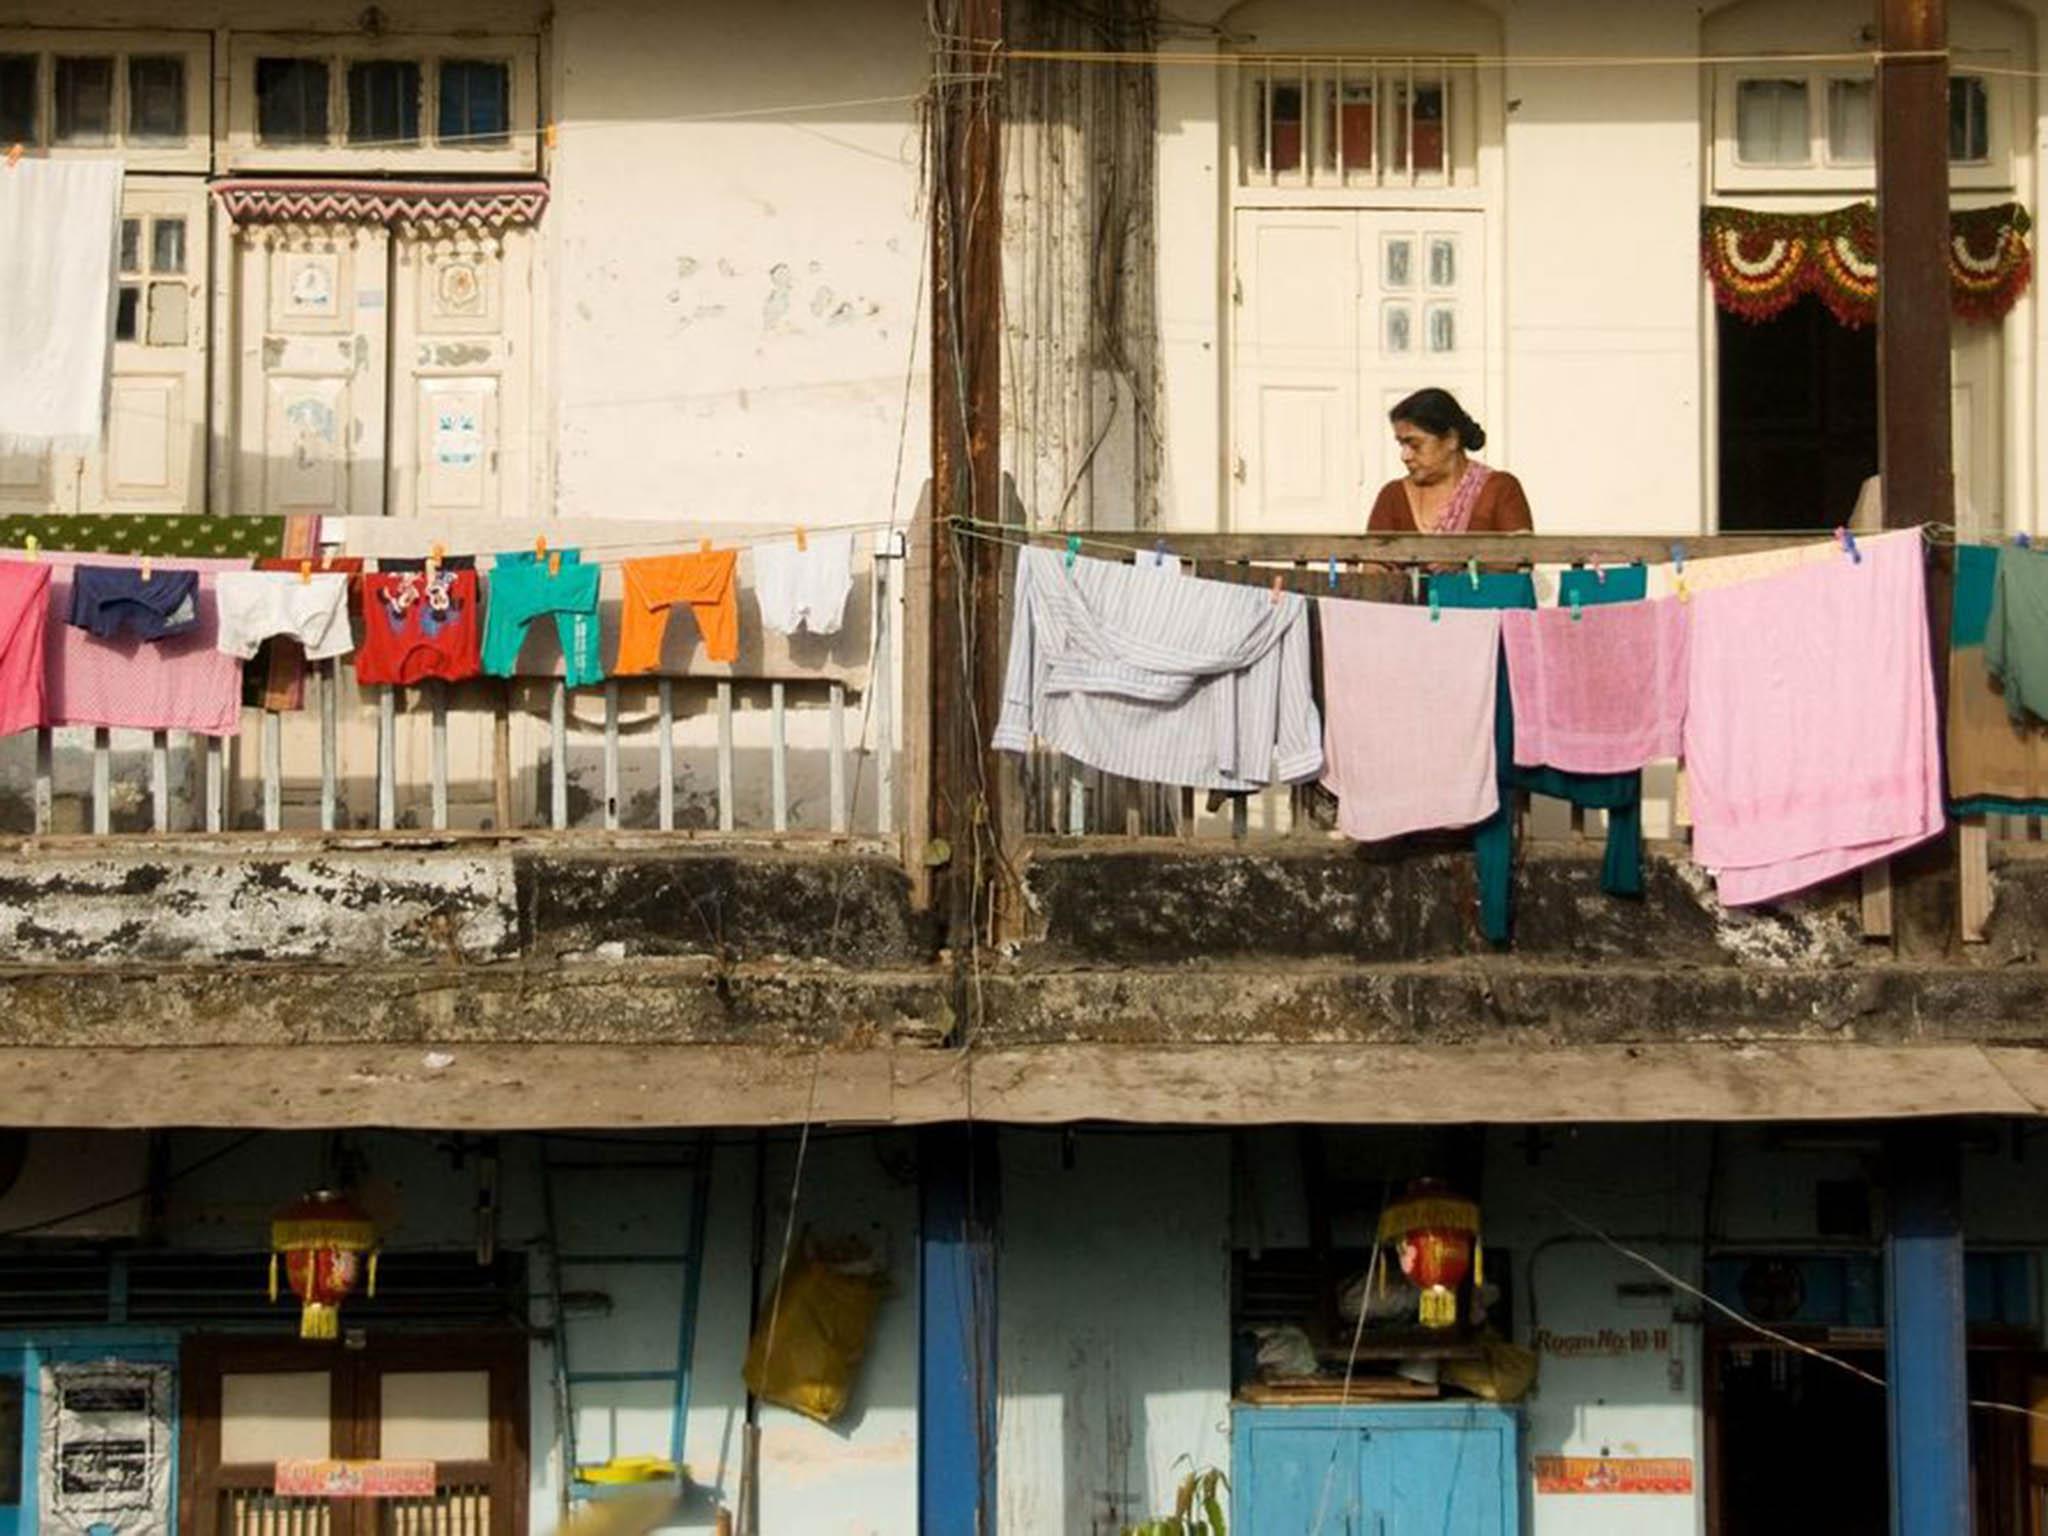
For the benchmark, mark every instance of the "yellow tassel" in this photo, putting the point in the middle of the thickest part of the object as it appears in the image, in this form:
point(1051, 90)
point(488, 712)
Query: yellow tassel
point(1478, 1265)
point(273, 1277)
point(1439, 1307)
point(317, 1320)
point(371, 1290)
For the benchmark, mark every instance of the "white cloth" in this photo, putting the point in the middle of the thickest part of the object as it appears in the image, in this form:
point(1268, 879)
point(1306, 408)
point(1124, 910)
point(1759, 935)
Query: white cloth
point(804, 588)
point(254, 605)
point(60, 223)
point(1199, 683)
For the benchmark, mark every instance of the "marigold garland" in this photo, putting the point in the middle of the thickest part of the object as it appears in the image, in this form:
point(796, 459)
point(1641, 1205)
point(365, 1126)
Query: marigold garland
point(1762, 263)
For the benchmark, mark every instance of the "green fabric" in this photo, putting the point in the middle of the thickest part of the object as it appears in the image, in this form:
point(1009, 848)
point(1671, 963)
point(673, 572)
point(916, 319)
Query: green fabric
point(522, 588)
point(1619, 794)
point(1976, 576)
point(1997, 805)
point(149, 533)
point(2016, 632)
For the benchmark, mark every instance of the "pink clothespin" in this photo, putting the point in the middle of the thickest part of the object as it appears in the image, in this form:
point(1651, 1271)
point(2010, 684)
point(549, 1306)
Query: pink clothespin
point(1276, 589)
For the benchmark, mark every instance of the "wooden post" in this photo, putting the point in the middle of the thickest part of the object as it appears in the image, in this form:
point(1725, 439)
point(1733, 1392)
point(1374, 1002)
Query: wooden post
point(966, 254)
point(1914, 316)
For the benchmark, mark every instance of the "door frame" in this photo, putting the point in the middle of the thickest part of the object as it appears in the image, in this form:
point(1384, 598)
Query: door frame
point(353, 1409)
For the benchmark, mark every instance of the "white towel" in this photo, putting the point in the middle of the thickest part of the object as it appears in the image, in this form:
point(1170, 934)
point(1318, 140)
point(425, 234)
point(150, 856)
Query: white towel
point(804, 588)
point(60, 223)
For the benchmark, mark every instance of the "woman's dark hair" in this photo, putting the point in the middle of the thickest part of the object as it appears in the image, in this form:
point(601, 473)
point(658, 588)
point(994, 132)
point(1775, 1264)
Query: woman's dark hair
point(1437, 412)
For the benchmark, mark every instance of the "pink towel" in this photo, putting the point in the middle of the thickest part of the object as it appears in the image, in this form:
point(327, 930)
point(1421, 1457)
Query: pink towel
point(24, 590)
point(180, 684)
point(1408, 710)
point(1602, 692)
point(1811, 737)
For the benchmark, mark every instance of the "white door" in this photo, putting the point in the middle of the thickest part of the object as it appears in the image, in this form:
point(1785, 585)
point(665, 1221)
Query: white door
point(152, 456)
point(1341, 313)
point(1977, 428)
point(309, 429)
point(1294, 463)
point(461, 435)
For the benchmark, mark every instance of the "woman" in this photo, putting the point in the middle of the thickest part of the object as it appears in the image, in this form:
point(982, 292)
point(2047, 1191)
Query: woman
point(1446, 490)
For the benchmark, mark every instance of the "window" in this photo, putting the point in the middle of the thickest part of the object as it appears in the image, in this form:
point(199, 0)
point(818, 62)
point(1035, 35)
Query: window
point(1770, 122)
point(291, 101)
point(156, 97)
point(384, 103)
point(153, 306)
point(476, 102)
point(1358, 124)
point(85, 101)
point(1852, 122)
point(18, 80)
point(1969, 120)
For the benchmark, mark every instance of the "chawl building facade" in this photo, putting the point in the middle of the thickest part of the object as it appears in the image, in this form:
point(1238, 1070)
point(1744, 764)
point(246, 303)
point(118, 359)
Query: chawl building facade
point(1077, 1118)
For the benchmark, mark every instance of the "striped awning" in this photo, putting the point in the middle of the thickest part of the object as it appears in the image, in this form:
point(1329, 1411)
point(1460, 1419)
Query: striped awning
point(481, 205)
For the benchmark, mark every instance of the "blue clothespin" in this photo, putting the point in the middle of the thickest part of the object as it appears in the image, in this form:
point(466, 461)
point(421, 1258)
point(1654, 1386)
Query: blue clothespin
point(1073, 548)
point(1436, 604)
point(1848, 543)
point(2023, 540)
point(1472, 570)
point(1578, 612)
point(1678, 559)
point(1333, 573)
point(1159, 554)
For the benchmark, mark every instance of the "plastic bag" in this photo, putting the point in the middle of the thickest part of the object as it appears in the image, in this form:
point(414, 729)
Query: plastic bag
point(822, 1314)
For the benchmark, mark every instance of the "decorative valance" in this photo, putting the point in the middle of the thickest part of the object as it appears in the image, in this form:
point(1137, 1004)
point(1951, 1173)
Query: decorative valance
point(438, 205)
point(1762, 263)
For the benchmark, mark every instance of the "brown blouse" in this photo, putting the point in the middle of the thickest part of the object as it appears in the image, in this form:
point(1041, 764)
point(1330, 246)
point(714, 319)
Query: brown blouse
point(1502, 508)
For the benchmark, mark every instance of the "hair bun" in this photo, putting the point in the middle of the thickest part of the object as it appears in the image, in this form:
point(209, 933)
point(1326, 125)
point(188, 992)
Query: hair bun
point(1471, 435)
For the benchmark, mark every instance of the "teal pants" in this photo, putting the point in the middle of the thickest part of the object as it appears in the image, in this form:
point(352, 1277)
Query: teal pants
point(522, 589)
point(1618, 794)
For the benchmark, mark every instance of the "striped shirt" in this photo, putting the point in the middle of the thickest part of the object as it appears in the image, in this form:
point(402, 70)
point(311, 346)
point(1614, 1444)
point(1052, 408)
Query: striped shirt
point(1197, 683)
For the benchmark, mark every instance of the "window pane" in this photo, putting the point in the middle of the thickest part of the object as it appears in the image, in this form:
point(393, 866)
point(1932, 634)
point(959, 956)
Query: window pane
point(17, 98)
point(1429, 127)
point(167, 246)
point(1357, 127)
point(10, 1439)
point(291, 101)
point(1443, 263)
point(168, 322)
point(85, 101)
point(1398, 263)
point(131, 245)
point(1443, 328)
point(1400, 328)
point(1969, 119)
point(126, 312)
point(476, 101)
point(1286, 127)
point(384, 102)
point(1770, 122)
point(156, 98)
point(1851, 122)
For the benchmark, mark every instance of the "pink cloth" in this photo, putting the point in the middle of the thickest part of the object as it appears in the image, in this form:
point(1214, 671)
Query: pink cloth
point(1408, 709)
point(180, 684)
point(24, 594)
point(1464, 497)
point(1811, 738)
point(1600, 693)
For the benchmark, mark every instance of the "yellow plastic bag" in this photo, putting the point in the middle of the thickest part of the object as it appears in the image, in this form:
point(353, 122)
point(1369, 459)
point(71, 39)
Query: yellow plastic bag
point(821, 1316)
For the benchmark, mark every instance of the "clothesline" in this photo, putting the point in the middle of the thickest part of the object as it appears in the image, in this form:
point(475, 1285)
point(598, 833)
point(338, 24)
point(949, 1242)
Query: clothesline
point(649, 547)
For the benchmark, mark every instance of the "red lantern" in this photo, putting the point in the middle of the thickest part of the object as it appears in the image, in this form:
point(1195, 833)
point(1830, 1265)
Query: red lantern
point(323, 1240)
point(1435, 1236)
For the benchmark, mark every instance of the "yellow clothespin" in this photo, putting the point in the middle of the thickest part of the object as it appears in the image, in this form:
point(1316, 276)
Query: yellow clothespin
point(555, 563)
point(802, 543)
point(540, 546)
point(305, 573)
point(148, 569)
point(548, 135)
point(34, 546)
point(435, 552)
point(13, 155)
point(703, 546)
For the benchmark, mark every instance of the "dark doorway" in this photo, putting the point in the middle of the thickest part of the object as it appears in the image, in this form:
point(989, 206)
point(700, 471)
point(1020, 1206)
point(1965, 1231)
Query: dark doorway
point(1798, 418)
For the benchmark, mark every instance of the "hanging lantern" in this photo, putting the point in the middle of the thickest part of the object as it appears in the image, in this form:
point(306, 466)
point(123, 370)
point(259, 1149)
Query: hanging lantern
point(322, 1239)
point(1435, 1236)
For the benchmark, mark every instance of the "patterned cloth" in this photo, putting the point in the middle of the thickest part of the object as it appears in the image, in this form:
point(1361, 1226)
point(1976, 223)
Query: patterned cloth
point(148, 533)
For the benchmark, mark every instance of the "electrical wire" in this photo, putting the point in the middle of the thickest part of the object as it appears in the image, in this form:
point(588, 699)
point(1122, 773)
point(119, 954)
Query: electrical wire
point(136, 1194)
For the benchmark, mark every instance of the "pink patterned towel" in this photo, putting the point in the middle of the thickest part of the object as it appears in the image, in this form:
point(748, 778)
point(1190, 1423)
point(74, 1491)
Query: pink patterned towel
point(1811, 737)
point(1408, 712)
point(1599, 691)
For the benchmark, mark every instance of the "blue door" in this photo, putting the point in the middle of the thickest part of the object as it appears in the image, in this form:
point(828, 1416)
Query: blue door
point(1377, 1471)
point(22, 1358)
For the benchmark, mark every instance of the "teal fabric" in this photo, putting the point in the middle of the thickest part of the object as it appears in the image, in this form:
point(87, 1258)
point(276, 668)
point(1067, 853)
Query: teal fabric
point(522, 589)
point(1976, 576)
point(2016, 633)
point(1620, 795)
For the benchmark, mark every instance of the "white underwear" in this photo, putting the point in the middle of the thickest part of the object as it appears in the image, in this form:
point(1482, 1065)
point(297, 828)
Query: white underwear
point(254, 605)
point(804, 588)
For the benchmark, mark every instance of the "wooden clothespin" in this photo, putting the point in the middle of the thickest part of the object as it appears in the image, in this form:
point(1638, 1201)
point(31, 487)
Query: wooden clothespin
point(802, 542)
point(305, 573)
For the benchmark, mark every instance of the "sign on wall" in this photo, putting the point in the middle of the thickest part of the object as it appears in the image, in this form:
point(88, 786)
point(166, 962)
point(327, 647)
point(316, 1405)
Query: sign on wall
point(106, 1450)
point(355, 1479)
point(1613, 1474)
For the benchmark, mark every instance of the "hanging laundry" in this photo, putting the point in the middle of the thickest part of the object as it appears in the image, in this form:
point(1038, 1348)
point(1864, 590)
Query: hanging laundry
point(1408, 703)
point(1995, 763)
point(419, 625)
point(1597, 689)
point(1719, 571)
point(149, 604)
point(179, 683)
point(804, 587)
point(24, 597)
point(2016, 633)
point(312, 610)
point(706, 582)
point(1811, 732)
point(59, 227)
point(1197, 683)
point(527, 585)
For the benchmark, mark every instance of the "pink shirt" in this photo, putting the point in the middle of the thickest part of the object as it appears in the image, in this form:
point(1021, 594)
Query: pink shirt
point(24, 590)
